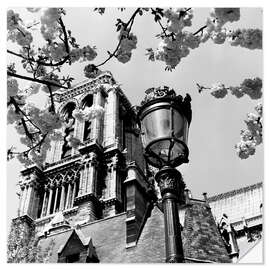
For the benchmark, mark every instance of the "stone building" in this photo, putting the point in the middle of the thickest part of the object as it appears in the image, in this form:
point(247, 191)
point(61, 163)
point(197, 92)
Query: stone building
point(98, 203)
point(242, 210)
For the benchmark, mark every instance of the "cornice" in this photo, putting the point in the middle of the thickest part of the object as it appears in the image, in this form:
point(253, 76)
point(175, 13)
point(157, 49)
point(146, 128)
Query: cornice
point(88, 86)
point(62, 164)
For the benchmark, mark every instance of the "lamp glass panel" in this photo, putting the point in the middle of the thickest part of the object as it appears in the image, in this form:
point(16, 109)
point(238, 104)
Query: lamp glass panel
point(168, 151)
point(180, 126)
point(156, 124)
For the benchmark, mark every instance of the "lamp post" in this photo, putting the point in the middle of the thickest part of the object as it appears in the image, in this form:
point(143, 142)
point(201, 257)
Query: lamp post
point(164, 119)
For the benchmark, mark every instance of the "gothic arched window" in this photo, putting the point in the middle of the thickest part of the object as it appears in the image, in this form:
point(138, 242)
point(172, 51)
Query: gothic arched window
point(70, 120)
point(87, 102)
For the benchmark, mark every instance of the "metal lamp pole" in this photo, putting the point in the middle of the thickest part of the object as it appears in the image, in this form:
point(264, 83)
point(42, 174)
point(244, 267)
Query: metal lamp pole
point(164, 119)
point(171, 187)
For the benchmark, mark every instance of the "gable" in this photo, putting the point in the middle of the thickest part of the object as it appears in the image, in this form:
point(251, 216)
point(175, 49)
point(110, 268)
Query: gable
point(201, 238)
point(72, 246)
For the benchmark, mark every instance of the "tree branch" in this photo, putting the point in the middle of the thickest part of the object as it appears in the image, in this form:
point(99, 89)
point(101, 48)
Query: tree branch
point(35, 80)
point(119, 43)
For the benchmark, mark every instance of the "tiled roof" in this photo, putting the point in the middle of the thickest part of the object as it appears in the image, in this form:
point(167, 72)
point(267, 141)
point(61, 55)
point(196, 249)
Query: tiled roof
point(201, 239)
point(234, 192)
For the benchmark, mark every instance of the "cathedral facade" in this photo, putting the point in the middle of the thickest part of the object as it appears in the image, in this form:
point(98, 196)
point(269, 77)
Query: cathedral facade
point(98, 203)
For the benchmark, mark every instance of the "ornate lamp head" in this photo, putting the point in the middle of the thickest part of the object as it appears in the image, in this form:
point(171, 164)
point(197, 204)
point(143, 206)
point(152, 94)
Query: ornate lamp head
point(164, 120)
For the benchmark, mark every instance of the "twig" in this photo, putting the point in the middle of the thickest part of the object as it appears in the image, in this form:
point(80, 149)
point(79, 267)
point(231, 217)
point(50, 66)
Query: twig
point(35, 80)
point(119, 43)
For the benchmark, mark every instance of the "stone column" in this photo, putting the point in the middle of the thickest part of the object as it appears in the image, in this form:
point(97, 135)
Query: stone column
point(112, 120)
point(29, 200)
point(68, 196)
point(22, 199)
point(55, 199)
point(82, 180)
point(62, 199)
point(45, 201)
point(25, 199)
point(115, 185)
point(98, 121)
point(34, 202)
point(73, 193)
point(91, 172)
point(50, 199)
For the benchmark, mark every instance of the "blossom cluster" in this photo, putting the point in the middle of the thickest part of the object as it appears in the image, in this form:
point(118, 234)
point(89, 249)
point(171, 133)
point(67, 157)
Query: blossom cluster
point(171, 51)
point(88, 113)
point(12, 115)
point(214, 24)
point(250, 87)
point(49, 23)
point(252, 136)
point(12, 88)
point(16, 31)
point(87, 53)
point(219, 90)
point(246, 38)
point(224, 15)
point(128, 43)
point(178, 18)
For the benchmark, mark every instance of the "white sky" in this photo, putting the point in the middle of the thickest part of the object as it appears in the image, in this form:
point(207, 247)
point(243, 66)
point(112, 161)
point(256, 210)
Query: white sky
point(215, 128)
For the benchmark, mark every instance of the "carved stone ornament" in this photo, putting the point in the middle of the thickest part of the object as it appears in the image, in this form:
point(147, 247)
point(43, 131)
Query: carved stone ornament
point(170, 180)
point(167, 182)
point(184, 104)
point(159, 92)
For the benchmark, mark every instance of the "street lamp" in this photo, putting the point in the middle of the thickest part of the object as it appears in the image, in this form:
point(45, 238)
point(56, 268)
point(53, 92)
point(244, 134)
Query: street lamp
point(164, 119)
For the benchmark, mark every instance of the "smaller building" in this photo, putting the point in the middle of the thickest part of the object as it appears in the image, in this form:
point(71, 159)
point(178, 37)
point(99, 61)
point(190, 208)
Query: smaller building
point(241, 211)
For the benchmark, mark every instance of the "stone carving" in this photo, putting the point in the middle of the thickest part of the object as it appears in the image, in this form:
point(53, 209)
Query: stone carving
point(167, 183)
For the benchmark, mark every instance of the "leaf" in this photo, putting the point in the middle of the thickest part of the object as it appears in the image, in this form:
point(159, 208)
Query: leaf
point(118, 27)
point(157, 18)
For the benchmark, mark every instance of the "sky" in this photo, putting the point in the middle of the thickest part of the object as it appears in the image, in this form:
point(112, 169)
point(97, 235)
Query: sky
point(214, 166)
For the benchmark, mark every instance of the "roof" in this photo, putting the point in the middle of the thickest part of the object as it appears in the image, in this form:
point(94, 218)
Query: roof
point(234, 192)
point(201, 239)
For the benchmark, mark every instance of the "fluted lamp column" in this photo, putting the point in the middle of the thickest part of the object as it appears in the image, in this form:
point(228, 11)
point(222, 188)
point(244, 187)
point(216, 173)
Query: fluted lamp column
point(164, 119)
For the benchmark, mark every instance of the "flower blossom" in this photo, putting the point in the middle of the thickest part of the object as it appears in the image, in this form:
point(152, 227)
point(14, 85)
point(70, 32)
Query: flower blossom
point(12, 88)
point(224, 15)
point(252, 87)
point(21, 36)
point(244, 149)
point(12, 115)
point(178, 18)
point(49, 23)
point(219, 37)
point(128, 43)
point(88, 53)
point(32, 89)
point(57, 51)
point(12, 20)
point(246, 38)
point(219, 90)
point(259, 109)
